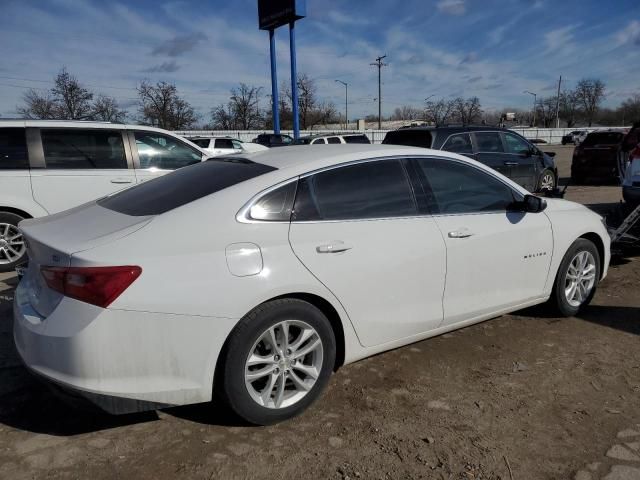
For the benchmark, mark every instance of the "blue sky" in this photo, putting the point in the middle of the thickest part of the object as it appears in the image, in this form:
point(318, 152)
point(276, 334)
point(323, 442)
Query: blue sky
point(494, 49)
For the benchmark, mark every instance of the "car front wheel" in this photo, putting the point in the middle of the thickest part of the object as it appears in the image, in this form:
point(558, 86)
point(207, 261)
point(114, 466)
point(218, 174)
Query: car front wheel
point(277, 361)
point(12, 248)
point(577, 278)
point(547, 181)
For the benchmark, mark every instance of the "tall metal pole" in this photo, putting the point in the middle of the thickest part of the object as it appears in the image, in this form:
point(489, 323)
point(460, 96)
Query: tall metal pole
point(274, 84)
point(294, 81)
point(346, 103)
point(378, 63)
point(558, 104)
point(534, 105)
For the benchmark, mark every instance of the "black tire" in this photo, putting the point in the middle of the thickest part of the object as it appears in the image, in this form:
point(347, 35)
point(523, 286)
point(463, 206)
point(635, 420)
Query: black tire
point(558, 297)
point(230, 382)
point(9, 218)
point(545, 172)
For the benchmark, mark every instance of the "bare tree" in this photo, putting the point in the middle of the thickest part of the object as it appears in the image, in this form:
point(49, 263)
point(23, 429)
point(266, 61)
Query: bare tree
point(590, 93)
point(222, 117)
point(466, 111)
point(322, 114)
point(569, 107)
point(72, 99)
point(630, 109)
point(438, 111)
point(36, 105)
point(546, 111)
point(244, 106)
point(107, 109)
point(406, 112)
point(161, 106)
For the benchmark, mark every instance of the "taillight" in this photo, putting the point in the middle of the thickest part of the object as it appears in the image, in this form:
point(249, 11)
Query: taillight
point(95, 285)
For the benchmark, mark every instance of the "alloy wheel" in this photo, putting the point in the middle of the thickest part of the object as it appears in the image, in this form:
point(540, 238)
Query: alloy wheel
point(12, 245)
point(548, 181)
point(580, 278)
point(284, 364)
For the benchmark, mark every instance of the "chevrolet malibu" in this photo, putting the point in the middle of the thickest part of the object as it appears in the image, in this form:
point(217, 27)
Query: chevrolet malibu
point(249, 280)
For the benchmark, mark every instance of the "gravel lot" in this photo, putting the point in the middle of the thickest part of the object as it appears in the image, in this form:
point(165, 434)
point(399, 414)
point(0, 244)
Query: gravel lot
point(523, 396)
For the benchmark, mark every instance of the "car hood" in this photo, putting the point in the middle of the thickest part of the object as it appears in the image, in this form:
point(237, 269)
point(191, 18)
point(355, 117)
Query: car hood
point(560, 205)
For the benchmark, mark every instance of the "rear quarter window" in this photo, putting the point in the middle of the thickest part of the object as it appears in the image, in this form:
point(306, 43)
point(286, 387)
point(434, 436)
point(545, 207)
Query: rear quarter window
point(409, 138)
point(356, 139)
point(183, 186)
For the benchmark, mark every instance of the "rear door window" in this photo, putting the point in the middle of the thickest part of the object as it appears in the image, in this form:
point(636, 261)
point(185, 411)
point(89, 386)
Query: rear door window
point(163, 152)
point(83, 149)
point(489, 142)
point(459, 143)
point(333, 140)
point(201, 142)
point(516, 144)
point(183, 186)
point(319, 141)
point(224, 143)
point(602, 138)
point(378, 189)
point(13, 149)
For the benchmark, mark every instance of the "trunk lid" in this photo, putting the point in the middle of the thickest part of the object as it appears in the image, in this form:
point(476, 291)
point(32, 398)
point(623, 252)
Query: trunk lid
point(52, 241)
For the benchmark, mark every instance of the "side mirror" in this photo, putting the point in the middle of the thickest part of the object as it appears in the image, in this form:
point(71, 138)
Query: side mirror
point(550, 154)
point(533, 204)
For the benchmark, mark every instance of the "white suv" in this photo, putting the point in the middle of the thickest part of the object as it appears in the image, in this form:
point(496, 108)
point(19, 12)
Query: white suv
point(47, 166)
point(226, 145)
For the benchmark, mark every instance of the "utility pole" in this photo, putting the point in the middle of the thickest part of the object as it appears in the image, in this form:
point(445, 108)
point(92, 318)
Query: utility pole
point(346, 103)
point(534, 105)
point(558, 104)
point(378, 63)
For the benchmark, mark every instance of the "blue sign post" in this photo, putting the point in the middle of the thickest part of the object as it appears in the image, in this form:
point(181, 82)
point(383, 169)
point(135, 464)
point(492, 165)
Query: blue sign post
point(271, 15)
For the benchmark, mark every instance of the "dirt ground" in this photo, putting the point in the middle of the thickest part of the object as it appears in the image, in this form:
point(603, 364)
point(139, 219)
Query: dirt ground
point(523, 396)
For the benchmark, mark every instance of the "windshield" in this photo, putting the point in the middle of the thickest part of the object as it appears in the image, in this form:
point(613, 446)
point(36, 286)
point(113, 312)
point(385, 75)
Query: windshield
point(183, 186)
point(602, 138)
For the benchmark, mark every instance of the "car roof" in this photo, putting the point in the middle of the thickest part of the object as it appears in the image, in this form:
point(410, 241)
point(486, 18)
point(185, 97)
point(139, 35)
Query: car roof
point(456, 128)
point(76, 124)
point(301, 158)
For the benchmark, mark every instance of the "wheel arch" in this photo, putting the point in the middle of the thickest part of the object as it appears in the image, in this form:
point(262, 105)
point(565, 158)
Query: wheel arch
point(16, 211)
point(599, 243)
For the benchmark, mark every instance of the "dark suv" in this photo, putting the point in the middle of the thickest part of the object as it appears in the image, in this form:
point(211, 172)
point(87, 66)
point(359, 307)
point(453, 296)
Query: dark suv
point(273, 140)
point(499, 148)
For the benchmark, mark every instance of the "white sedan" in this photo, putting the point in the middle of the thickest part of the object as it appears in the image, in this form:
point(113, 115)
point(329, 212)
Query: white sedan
point(251, 279)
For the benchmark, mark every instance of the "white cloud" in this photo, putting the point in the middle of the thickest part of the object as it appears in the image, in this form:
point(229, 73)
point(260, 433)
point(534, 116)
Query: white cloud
point(560, 40)
point(452, 7)
point(338, 17)
point(631, 34)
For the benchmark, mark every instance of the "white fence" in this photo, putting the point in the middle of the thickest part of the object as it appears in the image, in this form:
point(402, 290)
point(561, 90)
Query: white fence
point(552, 136)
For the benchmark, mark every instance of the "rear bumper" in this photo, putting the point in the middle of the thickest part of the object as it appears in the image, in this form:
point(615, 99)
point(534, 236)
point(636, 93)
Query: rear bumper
point(121, 361)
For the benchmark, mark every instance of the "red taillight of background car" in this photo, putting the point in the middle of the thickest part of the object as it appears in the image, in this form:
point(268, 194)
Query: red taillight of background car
point(95, 285)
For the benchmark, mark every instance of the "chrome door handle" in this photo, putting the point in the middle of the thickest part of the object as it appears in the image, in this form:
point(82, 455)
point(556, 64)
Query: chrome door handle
point(335, 247)
point(121, 180)
point(511, 164)
point(462, 233)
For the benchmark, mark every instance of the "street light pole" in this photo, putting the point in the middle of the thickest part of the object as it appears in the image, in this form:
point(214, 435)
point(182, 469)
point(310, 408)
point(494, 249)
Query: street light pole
point(534, 105)
point(346, 103)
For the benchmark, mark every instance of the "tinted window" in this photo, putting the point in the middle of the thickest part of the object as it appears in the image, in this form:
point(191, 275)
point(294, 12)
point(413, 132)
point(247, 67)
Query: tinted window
point(460, 188)
point(460, 143)
point(516, 144)
point(356, 139)
point(275, 205)
point(83, 149)
point(365, 190)
point(333, 140)
point(156, 150)
point(303, 141)
point(489, 142)
point(183, 186)
point(224, 143)
point(602, 138)
point(410, 138)
point(237, 144)
point(319, 141)
point(13, 148)
point(201, 142)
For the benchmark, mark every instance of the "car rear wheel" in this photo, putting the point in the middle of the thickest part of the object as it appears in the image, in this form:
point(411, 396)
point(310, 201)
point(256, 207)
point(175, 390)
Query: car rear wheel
point(12, 247)
point(547, 180)
point(577, 278)
point(277, 361)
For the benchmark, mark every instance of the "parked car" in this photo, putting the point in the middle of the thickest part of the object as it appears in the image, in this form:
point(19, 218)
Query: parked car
point(596, 158)
point(226, 145)
point(48, 166)
point(257, 278)
point(575, 137)
point(631, 178)
point(505, 151)
point(332, 138)
point(273, 140)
